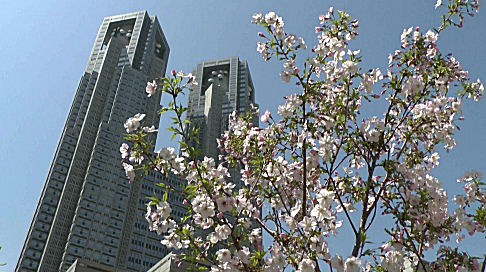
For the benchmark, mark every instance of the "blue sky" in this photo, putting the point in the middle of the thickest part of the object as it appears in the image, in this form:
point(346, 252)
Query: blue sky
point(45, 46)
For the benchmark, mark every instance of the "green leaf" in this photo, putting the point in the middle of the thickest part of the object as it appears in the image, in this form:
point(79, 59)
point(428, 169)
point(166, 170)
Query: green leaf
point(153, 200)
point(166, 193)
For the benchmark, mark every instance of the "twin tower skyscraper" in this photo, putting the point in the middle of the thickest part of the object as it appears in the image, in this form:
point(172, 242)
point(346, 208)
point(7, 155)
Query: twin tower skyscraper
point(87, 210)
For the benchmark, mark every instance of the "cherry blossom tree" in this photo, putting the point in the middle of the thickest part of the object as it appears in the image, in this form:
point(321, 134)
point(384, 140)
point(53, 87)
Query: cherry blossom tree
point(319, 163)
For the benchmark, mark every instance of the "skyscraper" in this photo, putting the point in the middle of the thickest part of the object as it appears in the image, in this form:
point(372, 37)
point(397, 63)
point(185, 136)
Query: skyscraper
point(224, 85)
point(87, 209)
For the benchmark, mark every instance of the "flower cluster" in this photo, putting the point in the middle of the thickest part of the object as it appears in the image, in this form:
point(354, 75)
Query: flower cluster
point(158, 219)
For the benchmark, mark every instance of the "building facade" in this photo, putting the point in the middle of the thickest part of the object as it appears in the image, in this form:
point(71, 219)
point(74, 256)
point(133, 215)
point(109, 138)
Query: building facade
point(81, 265)
point(145, 249)
point(87, 209)
point(224, 86)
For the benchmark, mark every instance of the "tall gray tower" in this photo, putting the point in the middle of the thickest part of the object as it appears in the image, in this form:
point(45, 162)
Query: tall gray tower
point(224, 85)
point(87, 209)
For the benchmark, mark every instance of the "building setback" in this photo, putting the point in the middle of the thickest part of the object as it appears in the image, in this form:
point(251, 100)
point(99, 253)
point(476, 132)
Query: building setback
point(87, 209)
